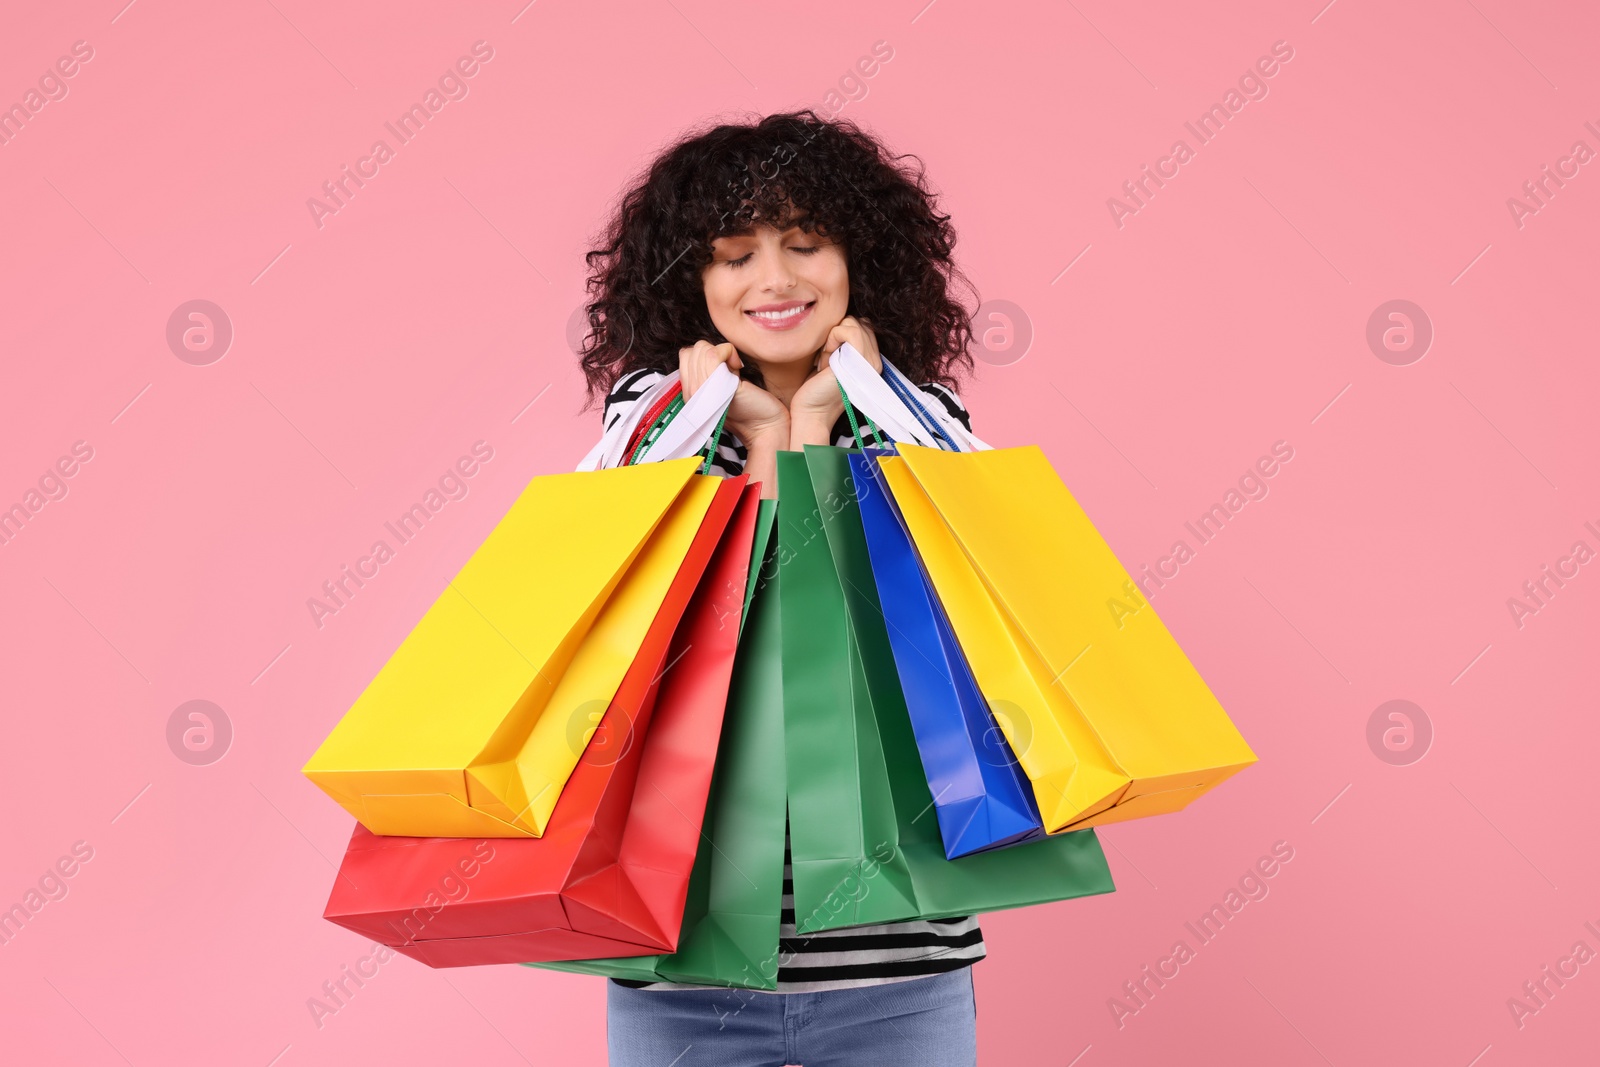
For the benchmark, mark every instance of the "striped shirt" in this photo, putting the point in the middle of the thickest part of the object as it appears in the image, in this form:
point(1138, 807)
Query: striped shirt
point(858, 955)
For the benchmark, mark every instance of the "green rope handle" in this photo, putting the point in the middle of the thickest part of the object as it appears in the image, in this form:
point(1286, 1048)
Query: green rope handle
point(660, 425)
point(716, 436)
point(855, 429)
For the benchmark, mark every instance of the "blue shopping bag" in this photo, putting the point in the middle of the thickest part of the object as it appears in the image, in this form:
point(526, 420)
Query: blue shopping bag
point(981, 797)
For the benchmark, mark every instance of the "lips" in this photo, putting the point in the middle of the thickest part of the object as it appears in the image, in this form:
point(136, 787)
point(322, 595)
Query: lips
point(784, 316)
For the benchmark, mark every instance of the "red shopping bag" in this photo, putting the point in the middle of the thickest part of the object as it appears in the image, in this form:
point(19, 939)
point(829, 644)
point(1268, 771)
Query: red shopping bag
point(610, 875)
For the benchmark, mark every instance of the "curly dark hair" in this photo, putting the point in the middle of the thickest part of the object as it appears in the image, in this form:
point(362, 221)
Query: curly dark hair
point(827, 176)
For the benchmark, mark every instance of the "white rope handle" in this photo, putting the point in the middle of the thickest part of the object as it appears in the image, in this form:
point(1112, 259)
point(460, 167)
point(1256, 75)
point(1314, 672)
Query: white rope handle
point(691, 428)
point(878, 400)
point(686, 435)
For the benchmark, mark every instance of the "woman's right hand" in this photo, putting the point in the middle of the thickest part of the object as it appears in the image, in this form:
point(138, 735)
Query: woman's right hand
point(754, 412)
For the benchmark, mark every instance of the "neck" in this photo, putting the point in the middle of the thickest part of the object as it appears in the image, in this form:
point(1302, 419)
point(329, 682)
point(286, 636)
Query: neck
point(783, 380)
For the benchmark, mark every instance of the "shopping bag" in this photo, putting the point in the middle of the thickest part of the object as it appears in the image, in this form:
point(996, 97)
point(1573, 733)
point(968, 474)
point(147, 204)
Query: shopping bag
point(730, 920)
point(980, 795)
point(763, 563)
point(1105, 712)
point(864, 847)
point(611, 872)
point(465, 731)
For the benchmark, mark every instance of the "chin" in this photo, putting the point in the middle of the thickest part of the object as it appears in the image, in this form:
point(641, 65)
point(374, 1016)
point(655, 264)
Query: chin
point(766, 349)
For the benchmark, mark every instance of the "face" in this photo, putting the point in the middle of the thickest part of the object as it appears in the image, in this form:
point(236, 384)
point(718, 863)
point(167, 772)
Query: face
point(776, 295)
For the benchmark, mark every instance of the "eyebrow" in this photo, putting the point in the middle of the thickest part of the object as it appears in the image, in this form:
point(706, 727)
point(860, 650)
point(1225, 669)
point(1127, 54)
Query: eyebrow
point(751, 232)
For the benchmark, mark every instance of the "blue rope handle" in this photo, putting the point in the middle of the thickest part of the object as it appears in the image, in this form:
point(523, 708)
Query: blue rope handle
point(908, 393)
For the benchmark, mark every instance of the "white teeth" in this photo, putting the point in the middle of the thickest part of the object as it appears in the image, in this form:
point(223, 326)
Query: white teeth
point(779, 316)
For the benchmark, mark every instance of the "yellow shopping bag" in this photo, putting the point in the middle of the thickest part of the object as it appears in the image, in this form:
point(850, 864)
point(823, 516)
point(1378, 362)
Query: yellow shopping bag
point(474, 725)
point(1105, 713)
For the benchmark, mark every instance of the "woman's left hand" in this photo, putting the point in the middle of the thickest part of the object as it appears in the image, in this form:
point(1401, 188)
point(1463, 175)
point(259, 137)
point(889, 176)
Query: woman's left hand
point(819, 396)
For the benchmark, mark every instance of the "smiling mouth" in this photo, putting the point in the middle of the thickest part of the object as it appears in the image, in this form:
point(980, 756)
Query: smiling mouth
point(782, 318)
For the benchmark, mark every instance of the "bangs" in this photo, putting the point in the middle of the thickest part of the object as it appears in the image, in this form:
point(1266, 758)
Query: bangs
point(750, 204)
point(772, 174)
point(752, 216)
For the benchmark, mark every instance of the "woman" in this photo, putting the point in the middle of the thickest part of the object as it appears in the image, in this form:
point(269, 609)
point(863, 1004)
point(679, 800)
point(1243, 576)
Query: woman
point(765, 246)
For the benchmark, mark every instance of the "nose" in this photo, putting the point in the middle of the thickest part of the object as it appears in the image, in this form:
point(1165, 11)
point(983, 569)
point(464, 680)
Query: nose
point(776, 273)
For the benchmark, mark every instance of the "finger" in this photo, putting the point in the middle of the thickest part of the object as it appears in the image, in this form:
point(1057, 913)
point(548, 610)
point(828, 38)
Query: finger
point(709, 355)
point(836, 337)
point(692, 367)
point(865, 341)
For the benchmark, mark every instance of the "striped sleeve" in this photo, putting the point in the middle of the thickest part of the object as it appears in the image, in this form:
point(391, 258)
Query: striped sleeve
point(951, 402)
point(731, 455)
point(626, 393)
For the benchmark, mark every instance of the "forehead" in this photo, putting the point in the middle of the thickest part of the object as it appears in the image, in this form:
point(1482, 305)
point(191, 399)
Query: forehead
point(759, 230)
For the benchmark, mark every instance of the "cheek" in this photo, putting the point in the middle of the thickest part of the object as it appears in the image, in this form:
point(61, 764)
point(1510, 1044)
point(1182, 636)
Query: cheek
point(719, 290)
point(830, 276)
point(723, 295)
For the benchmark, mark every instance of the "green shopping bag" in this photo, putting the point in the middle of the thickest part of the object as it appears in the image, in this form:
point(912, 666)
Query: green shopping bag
point(864, 840)
point(730, 922)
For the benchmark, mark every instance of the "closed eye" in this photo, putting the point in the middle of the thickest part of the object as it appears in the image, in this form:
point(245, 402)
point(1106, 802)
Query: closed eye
point(805, 250)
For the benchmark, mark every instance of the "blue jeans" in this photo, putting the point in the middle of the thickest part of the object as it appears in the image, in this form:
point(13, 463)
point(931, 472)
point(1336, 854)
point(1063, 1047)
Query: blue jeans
point(922, 1022)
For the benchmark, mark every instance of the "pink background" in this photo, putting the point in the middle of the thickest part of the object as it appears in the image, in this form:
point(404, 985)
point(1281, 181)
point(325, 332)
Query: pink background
point(1228, 314)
